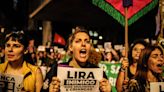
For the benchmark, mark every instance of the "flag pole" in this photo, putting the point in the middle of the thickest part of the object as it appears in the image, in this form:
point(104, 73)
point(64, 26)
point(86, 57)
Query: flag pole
point(126, 39)
point(160, 38)
point(126, 4)
point(161, 15)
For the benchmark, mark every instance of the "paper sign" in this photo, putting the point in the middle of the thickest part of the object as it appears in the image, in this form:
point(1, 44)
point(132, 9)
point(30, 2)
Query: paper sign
point(11, 83)
point(107, 46)
point(41, 48)
point(157, 87)
point(79, 79)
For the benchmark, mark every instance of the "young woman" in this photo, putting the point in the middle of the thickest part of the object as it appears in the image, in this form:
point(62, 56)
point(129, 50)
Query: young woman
point(15, 64)
point(130, 64)
point(79, 46)
point(111, 56)
point(149, 69)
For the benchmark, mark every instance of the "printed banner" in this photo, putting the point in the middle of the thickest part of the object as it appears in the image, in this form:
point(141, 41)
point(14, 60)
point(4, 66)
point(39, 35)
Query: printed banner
point(79, 79)
point(10, 83)
point(157, 87)
point(111, 70)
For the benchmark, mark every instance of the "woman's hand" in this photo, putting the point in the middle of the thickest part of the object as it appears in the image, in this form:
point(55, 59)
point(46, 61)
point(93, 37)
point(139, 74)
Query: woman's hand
point(123, 68)
point(105, 85)
point(125, 63)
point(54, 85)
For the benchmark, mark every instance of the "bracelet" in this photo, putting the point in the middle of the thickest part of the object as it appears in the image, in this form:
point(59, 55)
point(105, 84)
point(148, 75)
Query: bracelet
point(122, 70)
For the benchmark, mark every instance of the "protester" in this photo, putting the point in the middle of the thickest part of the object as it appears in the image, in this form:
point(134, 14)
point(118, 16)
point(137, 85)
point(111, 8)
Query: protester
point(110, 54)
point(2, 54)
point(109, 57)
point(40, 59)
point(79, 46)
point(149, 69)
point(130, 64)
point(33, 58)
point(15, 64)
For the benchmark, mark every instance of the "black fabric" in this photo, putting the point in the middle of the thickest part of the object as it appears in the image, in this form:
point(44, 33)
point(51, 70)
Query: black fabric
point(29, 73)
point(130, 75)
point(127, 3)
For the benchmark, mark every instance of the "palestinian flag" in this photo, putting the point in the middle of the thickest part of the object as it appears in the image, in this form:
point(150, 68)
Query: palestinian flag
point(136, 8)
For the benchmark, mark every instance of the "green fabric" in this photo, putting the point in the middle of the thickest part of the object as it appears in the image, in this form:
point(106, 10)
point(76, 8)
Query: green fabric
point(66, 58)
point(143, 12)
point(109, 9)
point(111, 70)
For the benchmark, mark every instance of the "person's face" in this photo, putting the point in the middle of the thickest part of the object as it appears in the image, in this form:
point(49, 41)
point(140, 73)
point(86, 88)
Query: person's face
point(81, 47)
point(40, 54)
point(109, 56)
point(123, 52)
point(31, 43)
point(156, 61)
point(14, 51)
point(33, 55)
point(136, 51)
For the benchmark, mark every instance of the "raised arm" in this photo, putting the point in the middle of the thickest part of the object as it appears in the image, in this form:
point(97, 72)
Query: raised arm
point(121, 76)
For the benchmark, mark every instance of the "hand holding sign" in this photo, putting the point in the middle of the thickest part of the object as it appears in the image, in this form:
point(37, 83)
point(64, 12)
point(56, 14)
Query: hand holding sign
point(80, 79)
point(104, 87)
point(12, 83)
point(157, 87)
point(54, 85)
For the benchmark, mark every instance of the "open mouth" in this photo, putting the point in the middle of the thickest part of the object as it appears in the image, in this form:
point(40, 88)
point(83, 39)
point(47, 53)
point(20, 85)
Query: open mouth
point(83, 53)
point(159, 65)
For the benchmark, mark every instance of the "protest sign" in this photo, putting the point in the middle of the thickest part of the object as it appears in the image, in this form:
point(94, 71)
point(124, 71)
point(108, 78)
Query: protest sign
point(111, 70)
point(41, 48)
point(107, 46)
point(11, 83)
point(157, 87)
point(79, 79)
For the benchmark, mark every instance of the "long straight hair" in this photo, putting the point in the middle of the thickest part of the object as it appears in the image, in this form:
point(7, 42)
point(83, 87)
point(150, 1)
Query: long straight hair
point(142, 67)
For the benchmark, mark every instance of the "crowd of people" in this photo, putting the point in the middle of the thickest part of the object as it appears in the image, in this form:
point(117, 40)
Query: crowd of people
point(39, 67)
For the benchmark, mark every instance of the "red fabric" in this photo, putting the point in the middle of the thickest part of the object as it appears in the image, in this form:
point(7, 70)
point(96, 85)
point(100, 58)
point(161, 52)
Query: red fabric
point(136, 6)
point(59, 39)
